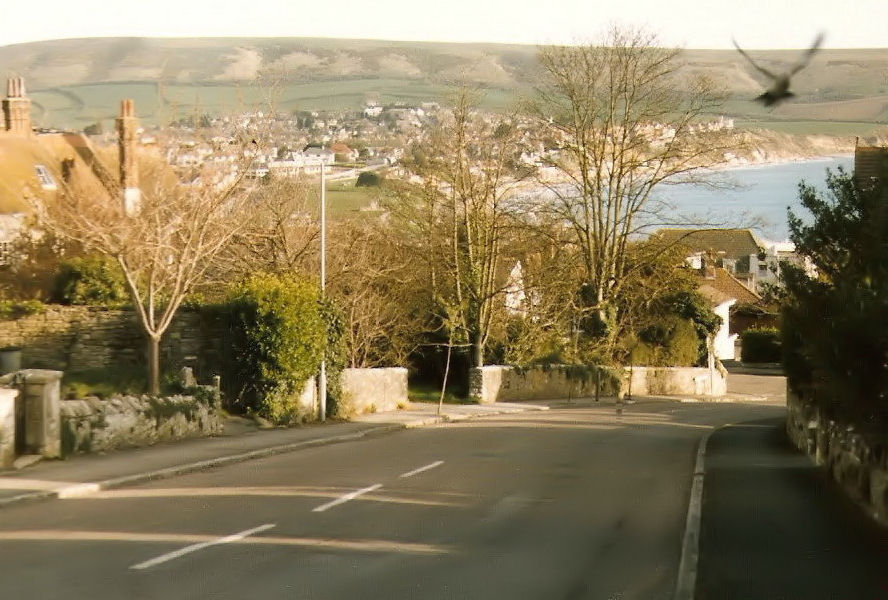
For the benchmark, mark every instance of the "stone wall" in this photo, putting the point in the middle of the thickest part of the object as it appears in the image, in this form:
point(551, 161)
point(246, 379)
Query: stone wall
point(676, 381)
point(94, 425)
point(859, 463)
point(508, 384)
point(7, 426)
point(372, 390)
point(72, 338)
point(497, 383)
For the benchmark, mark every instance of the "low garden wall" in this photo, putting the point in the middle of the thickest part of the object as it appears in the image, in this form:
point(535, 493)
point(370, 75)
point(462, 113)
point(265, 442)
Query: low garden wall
point(507, 384)
point(858, 462)
point(497, 383)
point(675, 381)
point(94, 425)
point(374, 390)
point(7, 426)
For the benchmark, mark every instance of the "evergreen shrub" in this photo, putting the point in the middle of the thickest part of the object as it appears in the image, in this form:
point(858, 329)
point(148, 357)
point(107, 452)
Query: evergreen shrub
point(760, 345)
point(672, 342)
point(279, 336)
point(91, 280)
point(368, 179)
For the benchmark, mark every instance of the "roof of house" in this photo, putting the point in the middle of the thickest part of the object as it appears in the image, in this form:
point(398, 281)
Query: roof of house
point(725, 287)
point(20, 156)
point(734, 243)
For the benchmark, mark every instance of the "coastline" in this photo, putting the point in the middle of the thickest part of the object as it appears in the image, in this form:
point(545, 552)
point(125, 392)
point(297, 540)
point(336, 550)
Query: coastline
point(744, 163)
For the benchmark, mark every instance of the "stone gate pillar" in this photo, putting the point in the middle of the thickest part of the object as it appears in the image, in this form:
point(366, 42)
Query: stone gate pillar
point(42, 397)
point(7, 426)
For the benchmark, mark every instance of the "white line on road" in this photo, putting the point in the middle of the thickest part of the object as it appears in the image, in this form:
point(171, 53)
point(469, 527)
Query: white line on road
point(428, 467)
point(347, 497)
point(195, 547)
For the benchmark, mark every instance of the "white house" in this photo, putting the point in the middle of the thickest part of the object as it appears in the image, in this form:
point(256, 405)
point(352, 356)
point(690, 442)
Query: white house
point(723, 290)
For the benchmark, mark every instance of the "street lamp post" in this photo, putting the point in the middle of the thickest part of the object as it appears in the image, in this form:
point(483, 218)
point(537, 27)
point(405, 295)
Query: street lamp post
point(322, 375)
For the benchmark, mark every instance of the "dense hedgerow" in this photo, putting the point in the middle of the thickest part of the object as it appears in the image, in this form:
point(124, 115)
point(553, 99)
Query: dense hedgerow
point(760, 345)
point(279, 336)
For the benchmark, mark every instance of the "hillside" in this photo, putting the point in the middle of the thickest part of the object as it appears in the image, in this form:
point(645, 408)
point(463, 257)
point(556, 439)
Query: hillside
point(76, 82)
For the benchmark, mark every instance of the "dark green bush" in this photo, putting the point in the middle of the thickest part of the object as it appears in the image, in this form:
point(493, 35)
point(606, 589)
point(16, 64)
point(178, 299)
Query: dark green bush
point(672, 342)
point(91, 280)
point(368, 179)
point(835, 340)
point(761, 345)
point(279, 339)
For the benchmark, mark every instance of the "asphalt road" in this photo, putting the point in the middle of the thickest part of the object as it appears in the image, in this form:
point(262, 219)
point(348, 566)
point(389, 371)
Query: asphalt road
point(570, 503)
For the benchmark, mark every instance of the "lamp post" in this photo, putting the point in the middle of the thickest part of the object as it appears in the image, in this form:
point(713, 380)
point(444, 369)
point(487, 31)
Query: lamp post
point(322, 375)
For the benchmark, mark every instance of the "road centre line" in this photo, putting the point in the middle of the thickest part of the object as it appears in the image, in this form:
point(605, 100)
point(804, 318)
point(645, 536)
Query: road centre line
point(428, 467)
point(347, 497)
point(200, 546)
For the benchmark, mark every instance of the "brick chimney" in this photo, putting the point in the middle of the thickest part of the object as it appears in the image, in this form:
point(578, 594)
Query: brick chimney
point(17, 107)
point(127, 125)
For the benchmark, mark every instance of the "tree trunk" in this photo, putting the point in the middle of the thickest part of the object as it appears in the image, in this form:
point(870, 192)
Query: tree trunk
point(154, 365)
point(478, 350)
point(446, 373)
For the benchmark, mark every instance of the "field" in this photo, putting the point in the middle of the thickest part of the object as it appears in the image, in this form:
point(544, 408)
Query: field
point(345, 201)
point(81, 105)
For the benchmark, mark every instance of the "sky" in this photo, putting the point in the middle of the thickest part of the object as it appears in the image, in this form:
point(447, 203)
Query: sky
point(685, 23)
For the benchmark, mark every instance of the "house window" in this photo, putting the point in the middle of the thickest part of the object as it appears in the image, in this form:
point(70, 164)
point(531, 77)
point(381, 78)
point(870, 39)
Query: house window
point(46, 180)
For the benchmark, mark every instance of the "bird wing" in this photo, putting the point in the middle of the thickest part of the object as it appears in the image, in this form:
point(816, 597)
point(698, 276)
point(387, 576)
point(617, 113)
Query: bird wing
point(806, 57)
point(762, 70)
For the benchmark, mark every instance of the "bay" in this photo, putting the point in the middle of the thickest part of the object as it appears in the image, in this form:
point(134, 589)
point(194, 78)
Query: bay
point(758, 197)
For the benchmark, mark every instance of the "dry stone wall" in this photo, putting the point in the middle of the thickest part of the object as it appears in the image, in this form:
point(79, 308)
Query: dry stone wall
point(859, 463)
point(94, 425)
point(73, 338)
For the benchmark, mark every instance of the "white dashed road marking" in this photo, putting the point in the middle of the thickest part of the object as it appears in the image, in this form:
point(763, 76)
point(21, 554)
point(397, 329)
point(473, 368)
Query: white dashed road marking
point(195, 547)
point(347, 497)
point(428, 467)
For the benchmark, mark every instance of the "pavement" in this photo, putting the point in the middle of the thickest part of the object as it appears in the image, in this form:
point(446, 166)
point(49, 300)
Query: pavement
point(243, 440)
point(774, 525)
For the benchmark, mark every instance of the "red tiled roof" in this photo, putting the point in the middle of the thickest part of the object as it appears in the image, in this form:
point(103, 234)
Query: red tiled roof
point(726, 287)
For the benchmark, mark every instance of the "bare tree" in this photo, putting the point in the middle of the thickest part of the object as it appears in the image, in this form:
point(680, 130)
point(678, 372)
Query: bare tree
point(541, 301)
point(625, 124)
point(281, 235)
point(463, 211)
point(368, 280)
point(164, 250)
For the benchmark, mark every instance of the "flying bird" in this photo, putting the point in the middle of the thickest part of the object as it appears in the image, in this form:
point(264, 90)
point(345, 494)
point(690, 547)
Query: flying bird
point(779, 90)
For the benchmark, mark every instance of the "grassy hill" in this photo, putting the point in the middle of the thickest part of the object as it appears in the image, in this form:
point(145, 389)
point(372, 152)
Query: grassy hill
point(76, 82)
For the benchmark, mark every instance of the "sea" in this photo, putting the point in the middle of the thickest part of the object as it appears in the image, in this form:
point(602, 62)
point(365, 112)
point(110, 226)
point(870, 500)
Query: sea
point(750, 196)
